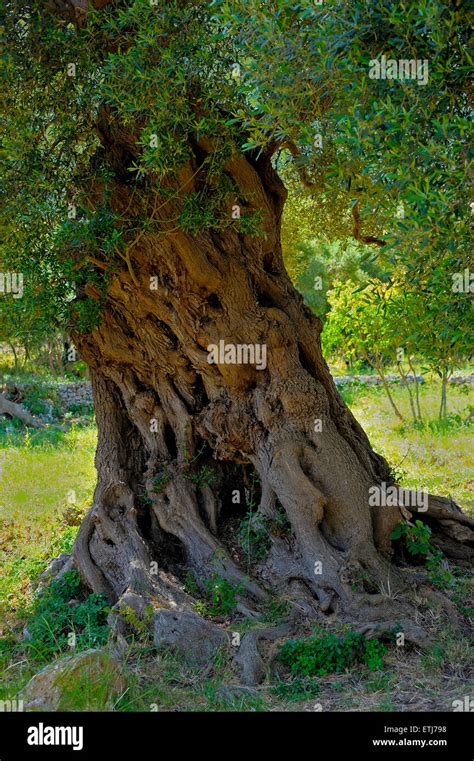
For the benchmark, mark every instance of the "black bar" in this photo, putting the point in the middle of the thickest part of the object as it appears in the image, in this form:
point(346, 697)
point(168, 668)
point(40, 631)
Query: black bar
point(154, 735)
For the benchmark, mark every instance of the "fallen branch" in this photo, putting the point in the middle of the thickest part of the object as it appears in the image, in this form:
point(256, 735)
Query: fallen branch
point(17, 411)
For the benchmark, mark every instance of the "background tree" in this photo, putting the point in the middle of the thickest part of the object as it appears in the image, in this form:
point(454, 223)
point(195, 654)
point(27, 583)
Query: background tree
point(435, 323)
point(359, 326)
point(315, 265)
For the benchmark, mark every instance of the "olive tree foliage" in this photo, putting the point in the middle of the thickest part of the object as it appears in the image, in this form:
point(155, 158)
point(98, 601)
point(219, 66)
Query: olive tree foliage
point(277, 76)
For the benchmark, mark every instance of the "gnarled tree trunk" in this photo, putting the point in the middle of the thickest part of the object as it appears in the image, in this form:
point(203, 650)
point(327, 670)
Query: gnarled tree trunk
point(179, 437)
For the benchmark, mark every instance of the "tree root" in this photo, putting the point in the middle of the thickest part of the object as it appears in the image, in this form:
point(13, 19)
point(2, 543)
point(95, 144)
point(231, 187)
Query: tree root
point(412, 633)
point(249, 660)
point(453, 530)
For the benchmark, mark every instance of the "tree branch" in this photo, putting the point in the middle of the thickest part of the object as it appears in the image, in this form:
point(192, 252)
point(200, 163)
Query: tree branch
point(296, 153)
point(74, 10)
point(356, 231)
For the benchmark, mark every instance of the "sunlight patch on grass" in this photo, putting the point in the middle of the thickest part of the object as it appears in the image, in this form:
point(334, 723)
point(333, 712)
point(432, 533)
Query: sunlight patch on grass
point(40, 474)
point(437, 456)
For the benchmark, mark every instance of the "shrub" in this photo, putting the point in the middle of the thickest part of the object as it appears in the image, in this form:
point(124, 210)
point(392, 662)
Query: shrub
point(205, 476)
point(328, 653)
point(255, 533)
point(416, 538)
point(222, 597)
point(160, 481)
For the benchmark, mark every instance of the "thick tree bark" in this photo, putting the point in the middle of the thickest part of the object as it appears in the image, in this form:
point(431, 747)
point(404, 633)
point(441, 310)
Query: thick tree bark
point(178, 436)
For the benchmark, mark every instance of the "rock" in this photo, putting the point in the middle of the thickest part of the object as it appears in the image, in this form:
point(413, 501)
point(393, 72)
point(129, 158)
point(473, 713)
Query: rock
point(48, 689)
point(57, 568)
point(127, 614)
point(460, 379)
point(374, 380)
point(55, 565)
point(61, 395)
point(196, 639)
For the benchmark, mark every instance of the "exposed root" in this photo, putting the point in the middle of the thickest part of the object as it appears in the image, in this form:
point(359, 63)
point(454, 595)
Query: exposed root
point(249, 659)
point(177, 513)
point(453, 530)
point(412, 633)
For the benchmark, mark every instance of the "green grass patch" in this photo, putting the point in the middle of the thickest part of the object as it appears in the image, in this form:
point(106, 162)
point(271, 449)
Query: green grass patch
point(43, 474)
point(436, 455)
point(65, 618)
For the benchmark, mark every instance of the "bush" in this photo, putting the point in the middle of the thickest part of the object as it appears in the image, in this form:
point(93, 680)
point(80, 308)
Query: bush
point(328, 653)
point(416, 538)
point(222, 597)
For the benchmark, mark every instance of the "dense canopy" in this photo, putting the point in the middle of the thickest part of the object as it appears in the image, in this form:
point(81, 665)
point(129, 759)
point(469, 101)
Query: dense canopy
point(291, 79)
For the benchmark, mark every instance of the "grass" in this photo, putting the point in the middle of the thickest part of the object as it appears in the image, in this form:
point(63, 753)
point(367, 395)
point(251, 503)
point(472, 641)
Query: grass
point(437, 456)
point(42, 474)
point(165, 683)
point(54, 625)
